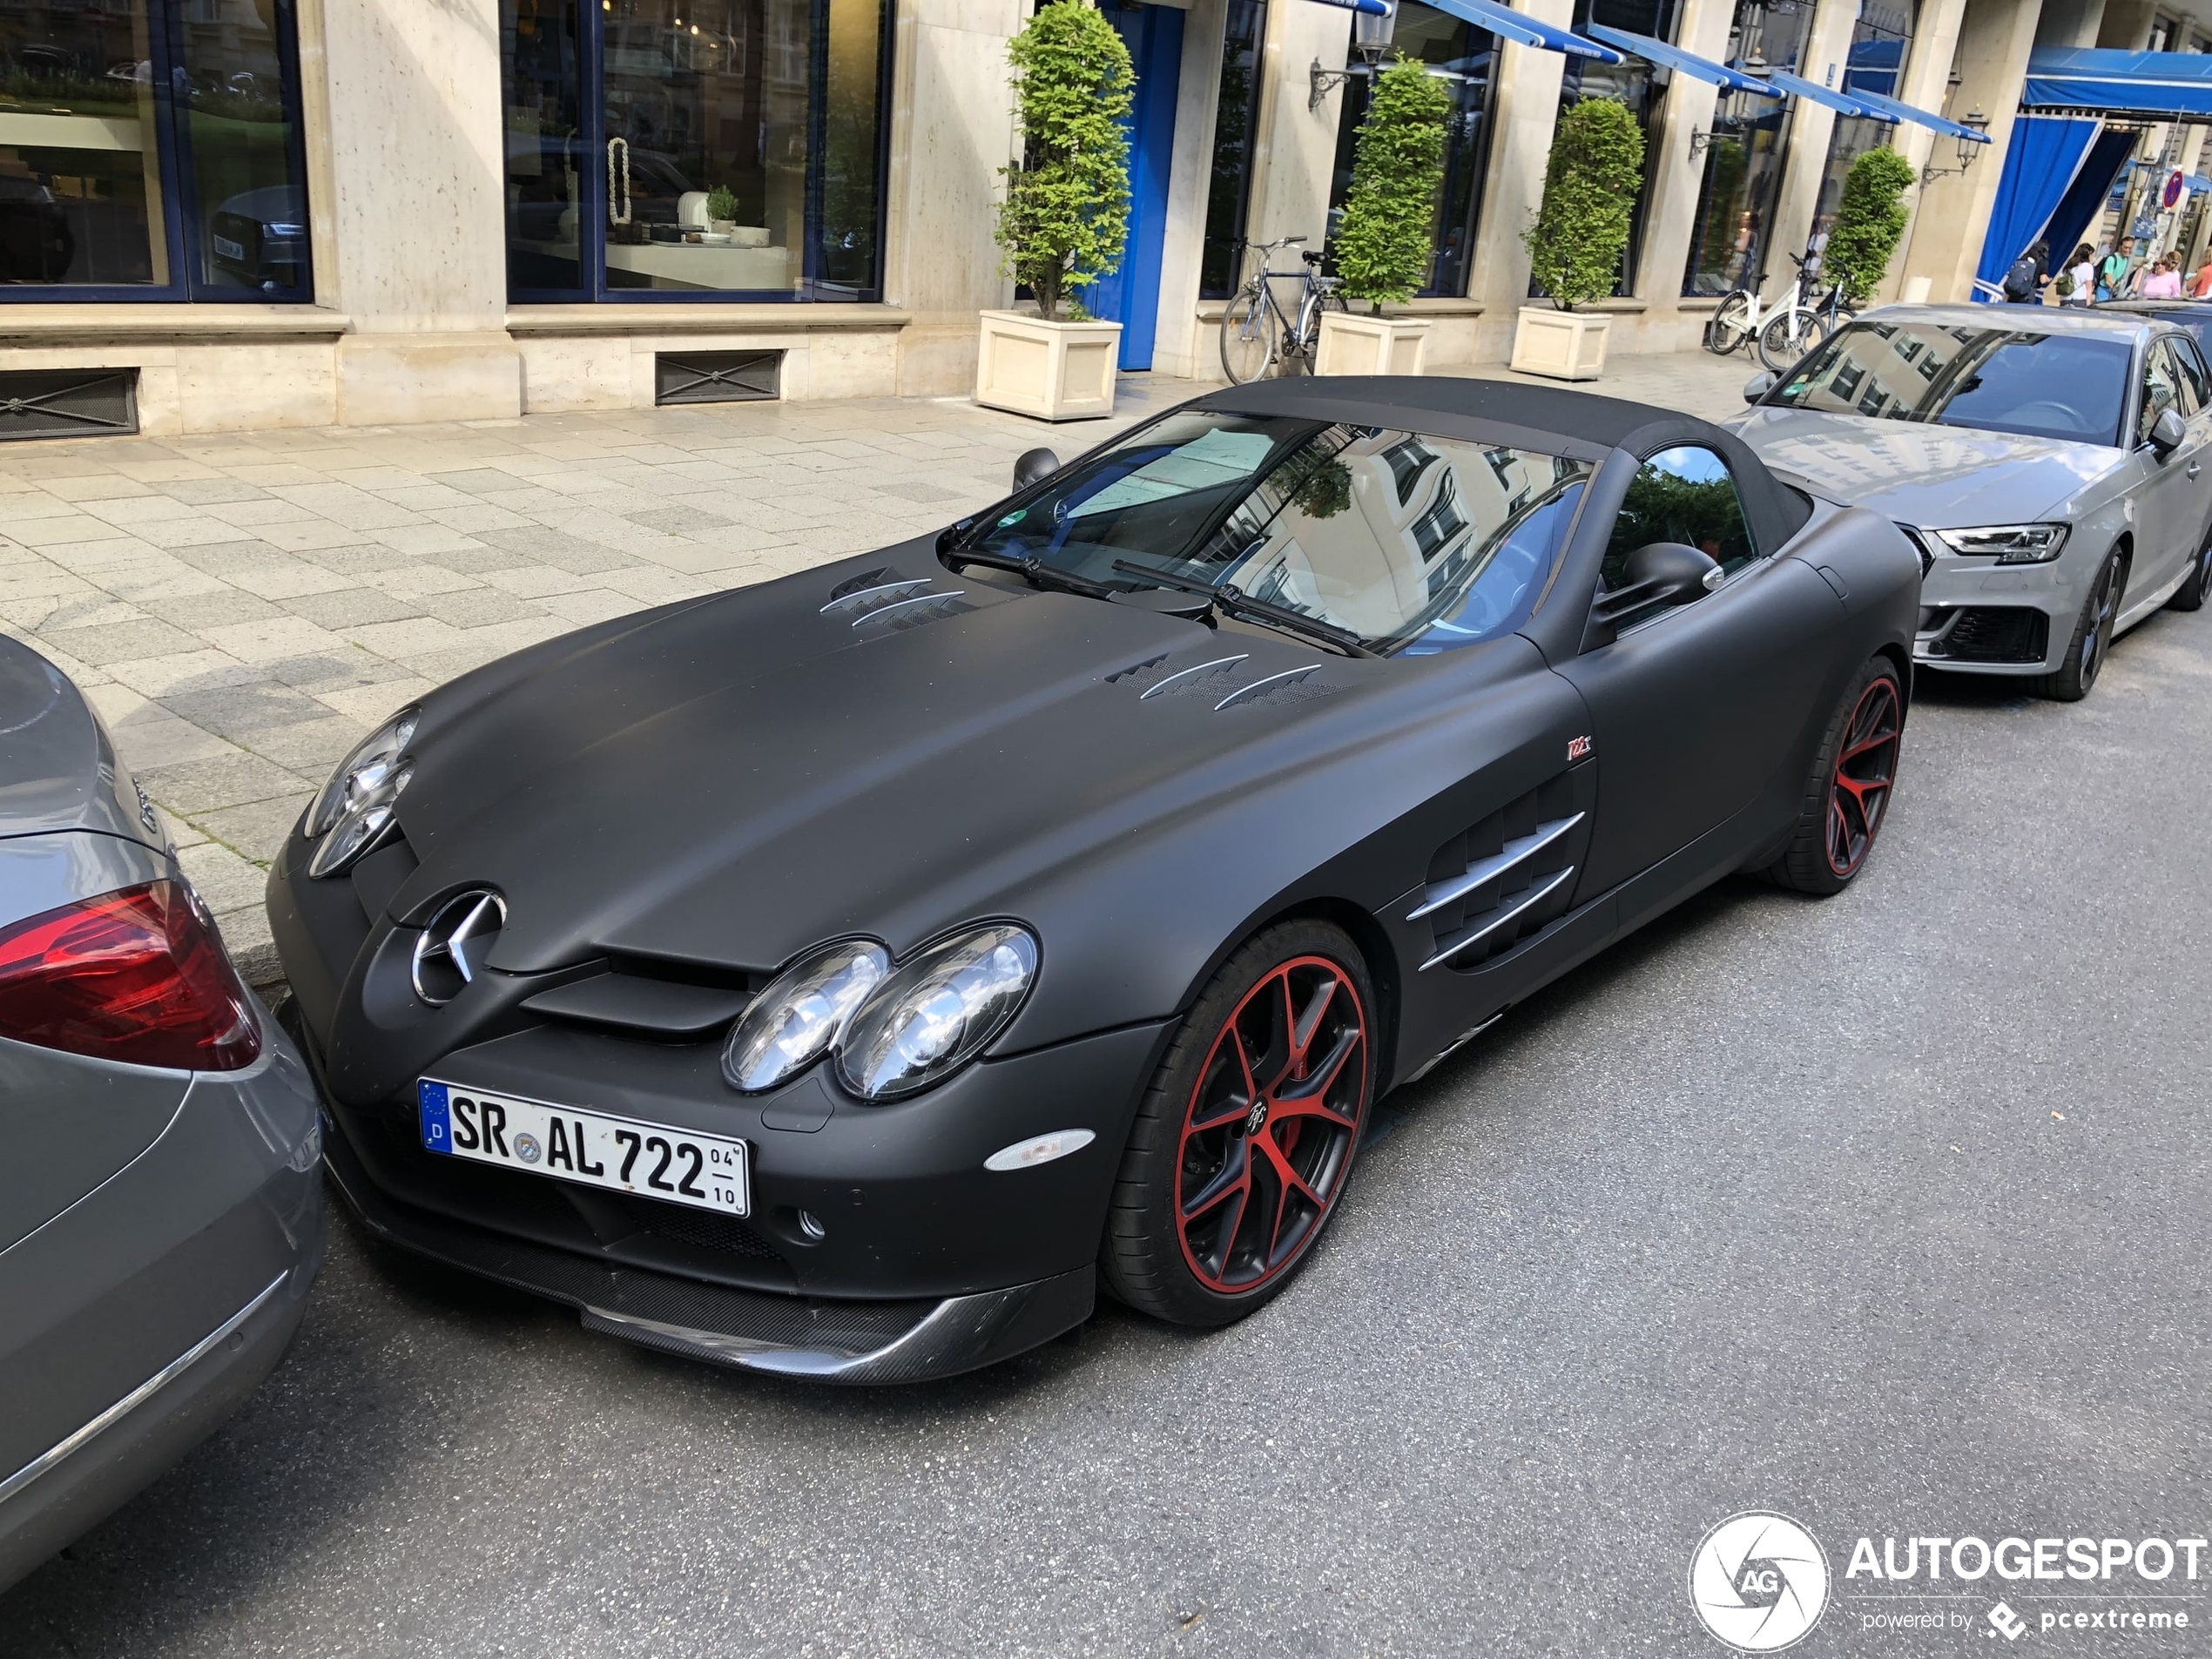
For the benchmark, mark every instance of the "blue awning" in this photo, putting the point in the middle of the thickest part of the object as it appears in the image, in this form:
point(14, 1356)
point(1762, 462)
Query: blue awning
point(1372, 8)
point(1842, 102)
point(1873, 66)
point(1529, 31)
point(2117, 83)
point(1907, 112)
point(1700, 68)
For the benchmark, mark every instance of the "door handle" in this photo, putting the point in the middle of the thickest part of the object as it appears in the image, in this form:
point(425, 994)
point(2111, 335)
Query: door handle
point(2195, 468)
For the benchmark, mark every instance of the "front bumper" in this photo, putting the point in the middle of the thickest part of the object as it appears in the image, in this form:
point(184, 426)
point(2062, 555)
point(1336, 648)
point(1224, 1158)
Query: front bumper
point(134, 1323)
point(1980, 617)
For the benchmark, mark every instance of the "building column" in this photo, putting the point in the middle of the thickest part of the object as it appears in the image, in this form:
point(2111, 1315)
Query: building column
point(2072, 23)
point(1675, 176)
point(1295, 151)
point(1947, 237)
point(951, 129)
point(407, 186)
point(1524, 109)
point(1927, 83)
point(1827, 50)
point(1182, 344)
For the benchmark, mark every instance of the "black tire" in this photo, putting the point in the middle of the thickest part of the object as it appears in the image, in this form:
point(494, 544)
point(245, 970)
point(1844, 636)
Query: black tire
point(2196, 586)
point(1847, 797)
point(1728, 329)
point(1777, 350)
point(1191, 1260)
point(1248, 342)
point(2092, 638)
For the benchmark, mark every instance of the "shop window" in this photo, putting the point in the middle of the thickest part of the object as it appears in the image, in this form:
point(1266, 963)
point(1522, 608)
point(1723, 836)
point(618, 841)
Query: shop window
point(151, 151)
point(699, 148)
point(1881, 46)
point(1236, 131)
point(1631, 83)
point(1465, 59)
point(1728, 239)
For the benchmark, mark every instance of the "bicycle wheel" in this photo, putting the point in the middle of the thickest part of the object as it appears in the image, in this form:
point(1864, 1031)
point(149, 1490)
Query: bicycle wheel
point(1730, 325)
point(1247, 337)
point(1789, 337)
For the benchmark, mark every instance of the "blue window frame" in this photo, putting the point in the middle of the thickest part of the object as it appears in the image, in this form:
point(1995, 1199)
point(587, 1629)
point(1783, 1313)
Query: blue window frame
point(151, 150)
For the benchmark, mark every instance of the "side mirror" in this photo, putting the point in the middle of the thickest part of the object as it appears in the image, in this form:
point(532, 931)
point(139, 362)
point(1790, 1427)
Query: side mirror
point(1658, 573)
point(2168, 433)
point(1034, 464)
point(1759, 386)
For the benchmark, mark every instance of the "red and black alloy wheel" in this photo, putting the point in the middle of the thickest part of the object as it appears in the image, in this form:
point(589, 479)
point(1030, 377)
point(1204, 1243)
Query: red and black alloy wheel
point(1865, 771)
point(1244, 1144)
point(1268, 1133)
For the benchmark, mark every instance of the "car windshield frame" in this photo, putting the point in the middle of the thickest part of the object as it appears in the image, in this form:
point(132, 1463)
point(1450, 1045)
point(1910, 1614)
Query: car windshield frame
point(1221, 538)
point(1811, 386)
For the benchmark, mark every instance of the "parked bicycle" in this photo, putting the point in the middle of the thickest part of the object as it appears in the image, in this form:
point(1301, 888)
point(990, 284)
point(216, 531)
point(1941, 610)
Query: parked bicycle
point(1258, 336)
point(1784, 329)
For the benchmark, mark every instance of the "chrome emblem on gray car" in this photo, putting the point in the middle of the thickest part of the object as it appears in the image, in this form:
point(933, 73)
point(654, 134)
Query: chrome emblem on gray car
point(454, 945)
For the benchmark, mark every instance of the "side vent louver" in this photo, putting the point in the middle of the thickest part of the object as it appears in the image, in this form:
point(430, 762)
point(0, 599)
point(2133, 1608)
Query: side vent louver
point(1502, 879)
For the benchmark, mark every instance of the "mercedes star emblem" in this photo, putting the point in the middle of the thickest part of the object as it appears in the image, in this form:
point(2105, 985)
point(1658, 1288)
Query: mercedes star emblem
point(468, 922)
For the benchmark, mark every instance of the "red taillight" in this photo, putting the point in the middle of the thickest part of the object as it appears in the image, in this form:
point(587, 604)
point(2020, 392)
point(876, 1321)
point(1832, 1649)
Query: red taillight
point(135, 975)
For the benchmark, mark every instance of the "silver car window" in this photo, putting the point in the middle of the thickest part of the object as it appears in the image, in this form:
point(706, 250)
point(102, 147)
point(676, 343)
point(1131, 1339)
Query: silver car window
point(2160, 391)
point(2196, 385)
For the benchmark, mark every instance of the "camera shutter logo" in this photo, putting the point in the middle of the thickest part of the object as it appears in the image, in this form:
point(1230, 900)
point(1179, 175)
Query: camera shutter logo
point(1759, 1581)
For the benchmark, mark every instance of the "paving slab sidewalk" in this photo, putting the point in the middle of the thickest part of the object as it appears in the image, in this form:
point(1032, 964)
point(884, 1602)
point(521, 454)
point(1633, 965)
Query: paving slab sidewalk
point(242, 609)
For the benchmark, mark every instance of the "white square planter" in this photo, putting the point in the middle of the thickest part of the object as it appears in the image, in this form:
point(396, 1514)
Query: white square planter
point(1565, 345)
point(1369, 345)
point(1056, 371)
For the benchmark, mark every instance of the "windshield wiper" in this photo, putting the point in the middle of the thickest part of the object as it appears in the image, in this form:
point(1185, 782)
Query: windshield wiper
point(1232, 601)
point(1036, 571)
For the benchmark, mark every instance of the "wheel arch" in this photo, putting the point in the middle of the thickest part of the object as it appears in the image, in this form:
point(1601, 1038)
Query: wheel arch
point(1377, 956)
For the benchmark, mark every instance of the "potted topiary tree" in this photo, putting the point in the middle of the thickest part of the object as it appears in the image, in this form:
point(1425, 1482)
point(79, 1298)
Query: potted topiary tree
point(1870, 219)
point(1575, 247)
point(1384, 242)
point(1065, 217)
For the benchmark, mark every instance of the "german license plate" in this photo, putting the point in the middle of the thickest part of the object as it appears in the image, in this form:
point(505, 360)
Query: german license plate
point(593, 1148)
point(229, 249)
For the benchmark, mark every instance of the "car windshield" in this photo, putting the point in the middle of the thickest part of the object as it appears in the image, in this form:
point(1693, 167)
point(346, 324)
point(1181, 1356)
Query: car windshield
point(1416, 543)
point(2062, 386)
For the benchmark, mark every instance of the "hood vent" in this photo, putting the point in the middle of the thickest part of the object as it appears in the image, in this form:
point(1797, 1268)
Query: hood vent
point(1197, 680)
point(912, 611)
point(1135, 669)
point(1292, 686)
point(862, 596)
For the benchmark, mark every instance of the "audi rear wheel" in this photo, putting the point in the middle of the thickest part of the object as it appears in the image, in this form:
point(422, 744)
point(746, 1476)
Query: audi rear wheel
point(1246, 1140)
point(2196, 586)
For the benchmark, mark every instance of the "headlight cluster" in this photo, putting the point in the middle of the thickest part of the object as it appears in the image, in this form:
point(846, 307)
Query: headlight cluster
point(2009, 543)
point(893, 1031)
point(354, 809)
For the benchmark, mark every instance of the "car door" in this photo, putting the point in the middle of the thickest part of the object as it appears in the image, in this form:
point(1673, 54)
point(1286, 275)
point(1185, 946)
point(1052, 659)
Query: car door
point(2193, 384)
point(2169, 501)
point(1700, 708)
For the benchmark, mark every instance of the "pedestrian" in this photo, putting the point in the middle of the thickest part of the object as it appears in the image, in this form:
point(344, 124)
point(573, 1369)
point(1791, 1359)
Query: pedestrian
point(2081, 278)
point(2164, 281)
point(2201, 288)
point(2023, 284)
point(2116, 274)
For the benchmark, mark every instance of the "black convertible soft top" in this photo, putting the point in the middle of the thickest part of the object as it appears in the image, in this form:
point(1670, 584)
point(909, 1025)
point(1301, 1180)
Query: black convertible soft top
point(1542, 418)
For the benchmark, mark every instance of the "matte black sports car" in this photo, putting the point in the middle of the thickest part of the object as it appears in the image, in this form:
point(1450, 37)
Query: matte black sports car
point(843, 976)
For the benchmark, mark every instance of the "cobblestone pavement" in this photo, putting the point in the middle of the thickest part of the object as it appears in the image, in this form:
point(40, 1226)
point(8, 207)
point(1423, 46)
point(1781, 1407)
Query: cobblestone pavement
point(242, 609)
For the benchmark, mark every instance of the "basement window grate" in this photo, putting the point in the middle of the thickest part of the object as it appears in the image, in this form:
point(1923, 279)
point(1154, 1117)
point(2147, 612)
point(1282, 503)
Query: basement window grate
point(716, 377)
point(67, 403)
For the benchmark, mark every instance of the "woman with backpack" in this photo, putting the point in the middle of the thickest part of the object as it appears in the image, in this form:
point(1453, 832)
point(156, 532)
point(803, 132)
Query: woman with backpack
point(2023, 284)
point(2081, 278)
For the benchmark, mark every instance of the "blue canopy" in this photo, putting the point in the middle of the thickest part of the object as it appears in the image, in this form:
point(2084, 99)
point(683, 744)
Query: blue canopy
point(1873, 66)
point(1842, 102)
point(2117, 83)
point(1529, 31)
point(2041, 162)
point(1700, 68)
point(1907, 112)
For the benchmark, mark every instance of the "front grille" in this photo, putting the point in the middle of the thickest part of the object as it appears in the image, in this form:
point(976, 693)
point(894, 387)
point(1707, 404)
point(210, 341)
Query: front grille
point(1995, 634)
point(702, 1229)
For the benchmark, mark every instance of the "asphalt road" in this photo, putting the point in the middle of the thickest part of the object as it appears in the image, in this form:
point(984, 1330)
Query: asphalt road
point(1888, 1213)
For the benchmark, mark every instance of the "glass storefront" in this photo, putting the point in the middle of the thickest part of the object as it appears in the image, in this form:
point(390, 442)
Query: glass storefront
point(1234, 132)
point(1466, 58)
point(1631, 83)
point(705, 148)
point(1729, 237)
point(151, 151)
point(1881, 45)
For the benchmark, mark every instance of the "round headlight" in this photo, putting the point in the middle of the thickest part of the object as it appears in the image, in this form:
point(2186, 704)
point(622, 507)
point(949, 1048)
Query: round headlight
point(355, 807)
point(934, 1013)
point(791, 1024)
